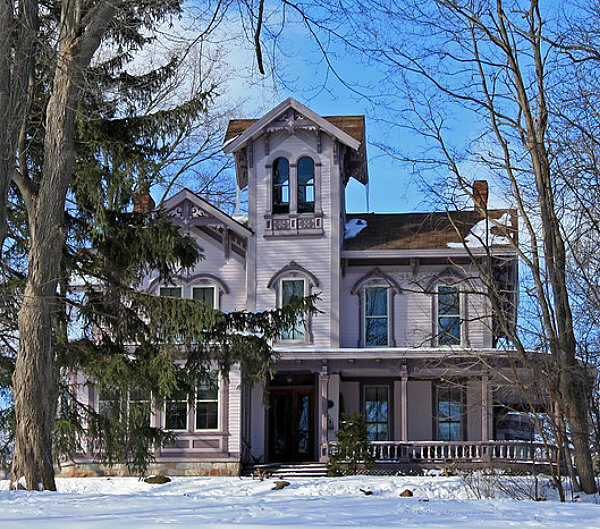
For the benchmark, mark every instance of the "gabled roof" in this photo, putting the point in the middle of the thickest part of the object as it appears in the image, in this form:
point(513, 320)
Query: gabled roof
point(221, 216)
point(438, 230)
point(352, 125)
point(240, 131)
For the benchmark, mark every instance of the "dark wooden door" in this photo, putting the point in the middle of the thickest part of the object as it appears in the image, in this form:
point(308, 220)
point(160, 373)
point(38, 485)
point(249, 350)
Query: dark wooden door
point(291, 421)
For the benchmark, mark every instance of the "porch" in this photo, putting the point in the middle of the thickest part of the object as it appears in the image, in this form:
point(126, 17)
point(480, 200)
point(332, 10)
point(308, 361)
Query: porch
point(401, 455)
point(446, 412)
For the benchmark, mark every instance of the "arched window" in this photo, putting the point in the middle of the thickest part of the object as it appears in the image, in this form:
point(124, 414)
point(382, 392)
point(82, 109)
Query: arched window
point(306, 185)
point(281, 186)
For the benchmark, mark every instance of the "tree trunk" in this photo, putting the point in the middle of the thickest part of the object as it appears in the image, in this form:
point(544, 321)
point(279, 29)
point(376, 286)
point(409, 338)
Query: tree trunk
point(35, 380)
point(35, 392)
point(575, 393)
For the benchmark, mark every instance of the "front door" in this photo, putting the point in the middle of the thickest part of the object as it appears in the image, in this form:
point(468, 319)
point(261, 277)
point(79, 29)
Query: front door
point(291, 425)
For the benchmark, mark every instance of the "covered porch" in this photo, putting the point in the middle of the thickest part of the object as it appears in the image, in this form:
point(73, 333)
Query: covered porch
point(422, 410)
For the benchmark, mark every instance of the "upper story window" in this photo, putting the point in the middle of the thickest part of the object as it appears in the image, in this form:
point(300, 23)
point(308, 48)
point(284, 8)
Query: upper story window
point(281, 186)
point(376, 317)
point(306, 185)
point(292, 290)
point(448, 315)
point(205, 294)
point(376, 292)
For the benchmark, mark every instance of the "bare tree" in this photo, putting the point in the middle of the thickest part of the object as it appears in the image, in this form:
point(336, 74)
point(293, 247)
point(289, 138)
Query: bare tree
point(497, 64)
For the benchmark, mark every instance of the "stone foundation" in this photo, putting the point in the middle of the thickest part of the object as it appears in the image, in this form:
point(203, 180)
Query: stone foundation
point(167, 468)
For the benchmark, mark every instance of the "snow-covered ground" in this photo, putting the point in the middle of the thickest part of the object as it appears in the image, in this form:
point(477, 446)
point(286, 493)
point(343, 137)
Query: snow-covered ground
point(438, 502)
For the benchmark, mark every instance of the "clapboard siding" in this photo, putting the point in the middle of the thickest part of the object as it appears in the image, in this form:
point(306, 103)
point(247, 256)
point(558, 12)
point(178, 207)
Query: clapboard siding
point(414, 308)
point(314, 253)
point(235, 411)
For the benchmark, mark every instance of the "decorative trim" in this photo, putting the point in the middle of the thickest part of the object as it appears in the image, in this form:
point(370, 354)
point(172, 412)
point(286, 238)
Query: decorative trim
point(293, 266)
point(450, 275)
point(374, 275)
point(214, 279)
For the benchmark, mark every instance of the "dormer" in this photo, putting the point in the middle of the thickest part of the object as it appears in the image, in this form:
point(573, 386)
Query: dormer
point(288, 159)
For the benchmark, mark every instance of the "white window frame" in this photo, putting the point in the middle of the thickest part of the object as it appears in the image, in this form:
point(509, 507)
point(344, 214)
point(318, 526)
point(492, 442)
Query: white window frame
point(460, 315)
point(304, 338)
point(219, 401)
point(215, 290)
point(364, 313)
point(187, 415)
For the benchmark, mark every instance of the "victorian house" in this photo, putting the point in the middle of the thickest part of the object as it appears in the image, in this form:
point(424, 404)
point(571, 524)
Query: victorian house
point(405, 334)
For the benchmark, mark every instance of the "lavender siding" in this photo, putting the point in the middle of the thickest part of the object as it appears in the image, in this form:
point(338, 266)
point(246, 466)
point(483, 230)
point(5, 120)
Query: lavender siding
point(315, 253)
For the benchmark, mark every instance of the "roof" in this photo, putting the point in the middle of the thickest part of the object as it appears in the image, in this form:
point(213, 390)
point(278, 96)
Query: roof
point(352, 125)
point(217, 213)
point(402, 231)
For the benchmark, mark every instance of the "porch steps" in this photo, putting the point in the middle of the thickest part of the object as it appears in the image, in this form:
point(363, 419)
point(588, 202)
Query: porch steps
point(286, 471)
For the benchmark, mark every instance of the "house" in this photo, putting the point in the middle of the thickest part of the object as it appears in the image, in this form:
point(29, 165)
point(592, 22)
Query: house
point(405, 334)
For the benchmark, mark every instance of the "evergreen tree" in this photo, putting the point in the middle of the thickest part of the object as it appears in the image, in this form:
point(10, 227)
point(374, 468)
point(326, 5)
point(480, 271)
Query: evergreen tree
point(352, 449)
point(90, 138)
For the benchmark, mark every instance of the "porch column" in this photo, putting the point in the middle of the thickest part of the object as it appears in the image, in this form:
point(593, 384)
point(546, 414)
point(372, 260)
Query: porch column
point(323, 423)
point(485, 431)
point(333, 413)
point(404, 402)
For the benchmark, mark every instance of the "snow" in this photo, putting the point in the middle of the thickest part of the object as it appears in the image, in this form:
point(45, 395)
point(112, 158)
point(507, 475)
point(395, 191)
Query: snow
point(353, 227)
point(438, 502)
point(477, 237)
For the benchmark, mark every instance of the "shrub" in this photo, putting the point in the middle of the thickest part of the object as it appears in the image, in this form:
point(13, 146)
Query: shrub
point(352, 448)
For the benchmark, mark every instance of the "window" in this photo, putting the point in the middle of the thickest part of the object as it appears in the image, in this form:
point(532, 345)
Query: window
point(110, 404)
point(376, 412)
point(172, 292)
point(281, 186)
point(207, 403)
point(306, 185)
point(205, 294)
point(449, 413)
point(375, 312)
point(139, 407)
point(176, 411)
point(292, 290)
point(448, 315)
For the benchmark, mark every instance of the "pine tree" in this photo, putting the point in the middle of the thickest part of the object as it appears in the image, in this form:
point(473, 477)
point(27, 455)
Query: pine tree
point(352, 449)
point(89, 140)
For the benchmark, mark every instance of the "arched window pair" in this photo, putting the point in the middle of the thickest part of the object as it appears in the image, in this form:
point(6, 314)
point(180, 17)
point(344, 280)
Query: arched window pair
point(305, 186)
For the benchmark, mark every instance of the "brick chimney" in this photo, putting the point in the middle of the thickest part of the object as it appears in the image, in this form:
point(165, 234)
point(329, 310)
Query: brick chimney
point(480, 195)
point(142, 203)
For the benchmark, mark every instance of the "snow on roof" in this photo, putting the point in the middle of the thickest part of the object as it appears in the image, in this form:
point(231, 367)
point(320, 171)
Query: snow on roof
point(484, 234)
point(353, 227)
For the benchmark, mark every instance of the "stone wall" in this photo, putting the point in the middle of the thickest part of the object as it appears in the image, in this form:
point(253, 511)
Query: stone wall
point(169, 468)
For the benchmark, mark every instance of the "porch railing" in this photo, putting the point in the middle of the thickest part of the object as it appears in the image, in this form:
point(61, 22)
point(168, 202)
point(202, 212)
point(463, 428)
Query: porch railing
point(458, 451)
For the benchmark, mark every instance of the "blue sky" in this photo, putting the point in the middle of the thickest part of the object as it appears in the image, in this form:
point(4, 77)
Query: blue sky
point(301, 72)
